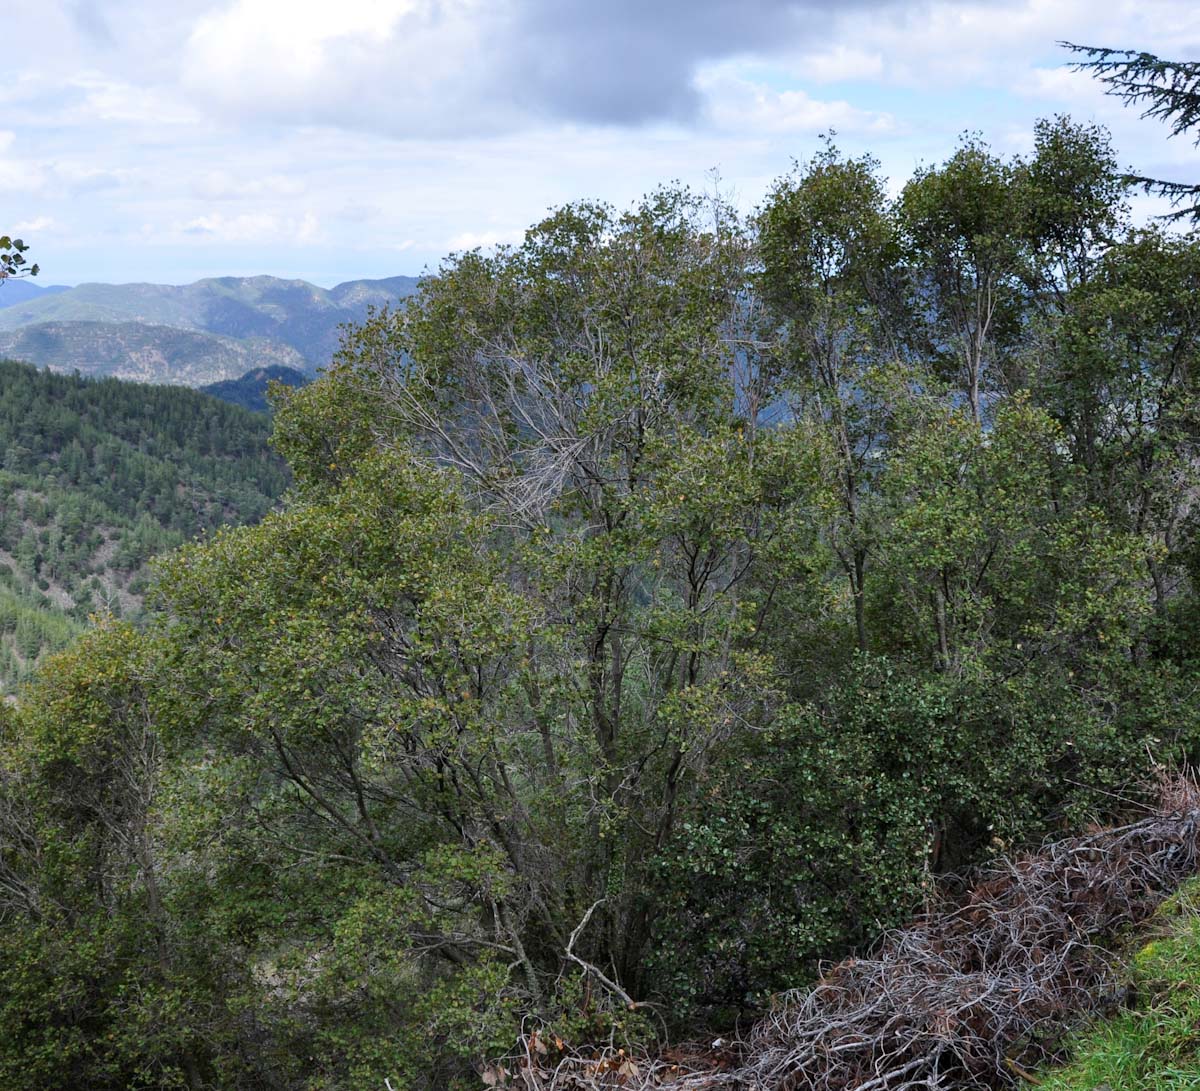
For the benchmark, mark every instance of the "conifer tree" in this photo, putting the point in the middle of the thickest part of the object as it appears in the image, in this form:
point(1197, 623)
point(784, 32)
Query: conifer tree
point(1169, 91)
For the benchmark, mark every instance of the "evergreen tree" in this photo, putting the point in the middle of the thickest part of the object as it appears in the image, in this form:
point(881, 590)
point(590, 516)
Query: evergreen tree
point(1169, 91)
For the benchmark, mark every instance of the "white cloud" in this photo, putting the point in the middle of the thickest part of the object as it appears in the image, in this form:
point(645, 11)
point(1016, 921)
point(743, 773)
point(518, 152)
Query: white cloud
point(249, 227)
point(841, 62)
point(104, 99)
point(392, 66)
point(309, 228)
point(738, 105)
point(249, 135)
point(42, 223)
point(484, 240)
point(289, 37)
point(224, 185)
point(22, 177)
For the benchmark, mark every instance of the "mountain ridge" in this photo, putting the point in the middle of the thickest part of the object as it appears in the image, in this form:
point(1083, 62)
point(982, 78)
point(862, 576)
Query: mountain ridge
point(291, 323)
point(141, 352)
point(21, 291)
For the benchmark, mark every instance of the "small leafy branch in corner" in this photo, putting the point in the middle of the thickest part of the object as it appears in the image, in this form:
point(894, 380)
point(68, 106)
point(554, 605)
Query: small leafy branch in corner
point(12, 259)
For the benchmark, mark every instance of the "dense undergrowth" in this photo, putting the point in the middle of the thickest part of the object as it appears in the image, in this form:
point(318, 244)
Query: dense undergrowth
point(979, 991)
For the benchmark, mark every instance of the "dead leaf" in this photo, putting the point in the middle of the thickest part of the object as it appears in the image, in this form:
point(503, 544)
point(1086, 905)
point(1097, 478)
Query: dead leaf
point(495, 1076)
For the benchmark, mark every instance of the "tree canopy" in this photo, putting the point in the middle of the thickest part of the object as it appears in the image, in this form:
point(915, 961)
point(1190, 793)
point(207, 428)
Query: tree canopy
point(662, 606)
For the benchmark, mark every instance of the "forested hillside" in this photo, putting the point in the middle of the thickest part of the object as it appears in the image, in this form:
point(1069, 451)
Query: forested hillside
point(98, 477)
point(665, 607)
point(250, 391)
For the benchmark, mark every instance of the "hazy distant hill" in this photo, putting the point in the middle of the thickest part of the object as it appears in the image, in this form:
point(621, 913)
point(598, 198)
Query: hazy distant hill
point(250, 391)
point(278, 322)
point(22, 291)
point(143, 353)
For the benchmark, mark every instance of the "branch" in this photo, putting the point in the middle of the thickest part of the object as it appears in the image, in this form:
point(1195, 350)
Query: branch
point(588, 967)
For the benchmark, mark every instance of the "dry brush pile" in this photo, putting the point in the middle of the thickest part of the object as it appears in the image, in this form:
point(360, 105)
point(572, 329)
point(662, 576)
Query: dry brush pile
point(973, 994)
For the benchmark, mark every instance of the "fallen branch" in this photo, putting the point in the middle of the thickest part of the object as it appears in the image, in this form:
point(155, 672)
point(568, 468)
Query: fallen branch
point(588, 967)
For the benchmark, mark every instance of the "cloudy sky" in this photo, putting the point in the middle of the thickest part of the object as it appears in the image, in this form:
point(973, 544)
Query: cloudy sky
point(142, 140)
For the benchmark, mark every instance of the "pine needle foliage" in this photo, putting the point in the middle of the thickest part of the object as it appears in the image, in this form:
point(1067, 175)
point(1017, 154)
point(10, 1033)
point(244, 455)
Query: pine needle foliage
point(1169, 91)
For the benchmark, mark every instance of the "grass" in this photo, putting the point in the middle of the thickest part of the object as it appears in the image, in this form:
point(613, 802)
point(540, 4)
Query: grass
point(1155, 1045)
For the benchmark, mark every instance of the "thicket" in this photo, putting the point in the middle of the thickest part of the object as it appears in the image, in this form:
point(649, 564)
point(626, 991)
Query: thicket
point(98, 477)
point(977, 992)
point(662, 606)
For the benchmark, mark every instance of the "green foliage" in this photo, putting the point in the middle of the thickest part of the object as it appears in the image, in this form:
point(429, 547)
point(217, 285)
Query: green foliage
point(1073, 205)
point(13, 262)
point(814, 836)
point(1169, 91)
point(663, 605)
point(90, 996)
point(958, 222)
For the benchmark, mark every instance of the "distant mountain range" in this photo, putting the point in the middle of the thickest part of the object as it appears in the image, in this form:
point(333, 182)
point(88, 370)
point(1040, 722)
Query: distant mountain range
point(194, 334)
point(143, 353)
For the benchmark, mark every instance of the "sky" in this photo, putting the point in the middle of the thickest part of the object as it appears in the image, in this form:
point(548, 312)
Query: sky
point(165, 142)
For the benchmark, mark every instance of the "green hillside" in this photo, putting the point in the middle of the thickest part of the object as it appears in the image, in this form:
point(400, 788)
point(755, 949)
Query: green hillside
point(98, 476)
point(1154, 1044)
point(250, 390)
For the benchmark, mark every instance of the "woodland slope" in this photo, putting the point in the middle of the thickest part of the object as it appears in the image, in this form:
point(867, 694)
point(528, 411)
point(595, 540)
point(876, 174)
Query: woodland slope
point(98, 477)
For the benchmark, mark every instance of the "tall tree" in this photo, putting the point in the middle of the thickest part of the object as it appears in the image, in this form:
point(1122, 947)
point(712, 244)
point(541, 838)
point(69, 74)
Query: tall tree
point(831, 272)
point(958, 220)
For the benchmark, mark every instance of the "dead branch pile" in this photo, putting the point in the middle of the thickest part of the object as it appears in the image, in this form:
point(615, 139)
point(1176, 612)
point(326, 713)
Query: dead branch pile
point(971, 995)
point(541, 1068)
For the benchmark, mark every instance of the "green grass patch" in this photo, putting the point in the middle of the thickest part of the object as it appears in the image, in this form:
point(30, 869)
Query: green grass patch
point(1155, 1045)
